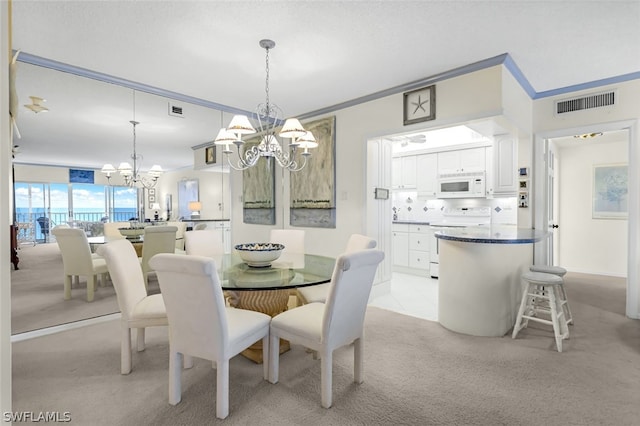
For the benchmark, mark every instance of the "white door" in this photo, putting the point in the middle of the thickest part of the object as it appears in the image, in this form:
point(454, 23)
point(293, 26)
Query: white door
point(552, 204)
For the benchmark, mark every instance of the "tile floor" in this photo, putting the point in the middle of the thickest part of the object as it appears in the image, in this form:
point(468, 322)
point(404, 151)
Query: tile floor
point(411, 295)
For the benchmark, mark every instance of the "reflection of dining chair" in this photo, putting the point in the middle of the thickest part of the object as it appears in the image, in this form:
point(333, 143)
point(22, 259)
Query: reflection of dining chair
point(199, 227)
point(112, 230)
point(138, 309)
point(292, 239)
point(157, 239)
point(44, 227)
point(201, 325)
point(77, 259)
point(318, 293)
point(325, 327)
point(182, 227)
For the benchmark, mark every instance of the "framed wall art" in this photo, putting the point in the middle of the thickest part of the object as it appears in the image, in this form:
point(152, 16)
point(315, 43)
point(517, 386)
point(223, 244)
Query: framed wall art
point(419, 105)
point(610, 191)
point(210, 155)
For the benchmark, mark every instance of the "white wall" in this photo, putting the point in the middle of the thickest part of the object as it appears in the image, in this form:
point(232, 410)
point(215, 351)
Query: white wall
point(595, 246)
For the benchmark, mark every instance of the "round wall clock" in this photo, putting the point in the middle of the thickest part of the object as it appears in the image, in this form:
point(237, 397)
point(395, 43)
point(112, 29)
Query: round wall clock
point(420, 105)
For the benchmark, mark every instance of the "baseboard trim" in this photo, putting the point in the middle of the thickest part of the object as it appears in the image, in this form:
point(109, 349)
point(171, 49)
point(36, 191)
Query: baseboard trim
point(63, 327)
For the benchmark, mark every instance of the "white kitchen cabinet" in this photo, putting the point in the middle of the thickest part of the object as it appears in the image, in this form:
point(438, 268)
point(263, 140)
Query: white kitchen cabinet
point(400, 244)
point(502, 179)
point(403, 172)
point(419, 241)
point(427, 175)
point(462, 161)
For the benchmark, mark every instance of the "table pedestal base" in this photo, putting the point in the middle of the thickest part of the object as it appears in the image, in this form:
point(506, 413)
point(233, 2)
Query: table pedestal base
point(270, 302)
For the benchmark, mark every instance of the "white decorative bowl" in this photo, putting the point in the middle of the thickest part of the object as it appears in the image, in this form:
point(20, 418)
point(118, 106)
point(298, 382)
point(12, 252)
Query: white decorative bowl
point(259, 255)
point(132, 233)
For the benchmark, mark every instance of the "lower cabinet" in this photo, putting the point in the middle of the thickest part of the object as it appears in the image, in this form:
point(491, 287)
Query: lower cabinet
point(400, 245)
point(411, 247)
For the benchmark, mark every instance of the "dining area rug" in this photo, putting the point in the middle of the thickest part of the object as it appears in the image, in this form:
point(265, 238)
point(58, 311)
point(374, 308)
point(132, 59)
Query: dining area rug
point(416, 373)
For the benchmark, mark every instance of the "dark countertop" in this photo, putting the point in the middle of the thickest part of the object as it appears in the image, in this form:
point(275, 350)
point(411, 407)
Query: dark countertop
point(492, 235)
point(206, 220)
point(409, 222)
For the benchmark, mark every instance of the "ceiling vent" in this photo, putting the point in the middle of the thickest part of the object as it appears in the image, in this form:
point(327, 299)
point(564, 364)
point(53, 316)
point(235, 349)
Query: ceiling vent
point(175, 110)
point(587, 102)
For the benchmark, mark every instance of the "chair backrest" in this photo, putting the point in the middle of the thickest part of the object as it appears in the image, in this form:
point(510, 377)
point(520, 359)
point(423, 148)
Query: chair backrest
point(349, 291)
point(112, 230)
point(204, 243)
point(360, 242)
point(126, 274)
point(292, 239)
point(182, 228)
point(195, 304)
point(76, 253)
point(157, 239)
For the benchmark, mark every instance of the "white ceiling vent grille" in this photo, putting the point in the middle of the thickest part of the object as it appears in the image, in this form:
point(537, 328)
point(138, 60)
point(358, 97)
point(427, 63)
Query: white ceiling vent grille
point(175, 110)
point(586, 102)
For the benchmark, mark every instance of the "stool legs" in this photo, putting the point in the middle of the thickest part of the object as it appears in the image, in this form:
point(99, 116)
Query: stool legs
point(533, 298)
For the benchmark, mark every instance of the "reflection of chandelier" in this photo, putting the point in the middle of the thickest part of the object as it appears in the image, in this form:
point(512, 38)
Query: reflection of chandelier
point(131, 175)
point(268, 116)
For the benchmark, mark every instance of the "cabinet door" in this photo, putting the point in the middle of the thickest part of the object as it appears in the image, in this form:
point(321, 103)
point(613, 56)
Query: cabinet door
point(401, 248)
point(419, 242)
point(472, 160)
point(505, 179)
point(448, 162)
point(427, 174)
point(409, 171)
point(396, 172)
point(419, 259)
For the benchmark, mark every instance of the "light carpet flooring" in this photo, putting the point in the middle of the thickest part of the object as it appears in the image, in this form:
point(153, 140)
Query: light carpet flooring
point(416, 373)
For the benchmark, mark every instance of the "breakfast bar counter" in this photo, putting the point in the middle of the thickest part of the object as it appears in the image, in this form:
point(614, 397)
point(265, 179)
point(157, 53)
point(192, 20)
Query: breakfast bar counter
point(479, 283)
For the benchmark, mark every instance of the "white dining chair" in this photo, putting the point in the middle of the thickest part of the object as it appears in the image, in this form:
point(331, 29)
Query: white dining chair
point(292, 239)
point(204, 243)
point(325, 327)
point(112, 230)
point(201, 325)
point(157, 239)
point(78, 260)
point(318, 293)
point(182, 228)
point(138, 309)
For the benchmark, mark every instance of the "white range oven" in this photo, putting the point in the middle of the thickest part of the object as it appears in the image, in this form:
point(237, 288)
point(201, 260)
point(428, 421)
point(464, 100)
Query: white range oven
point(458, 217)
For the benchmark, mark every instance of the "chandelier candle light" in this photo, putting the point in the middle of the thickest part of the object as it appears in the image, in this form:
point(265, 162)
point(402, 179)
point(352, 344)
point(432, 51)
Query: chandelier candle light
point(132, 176)
point(269, 116)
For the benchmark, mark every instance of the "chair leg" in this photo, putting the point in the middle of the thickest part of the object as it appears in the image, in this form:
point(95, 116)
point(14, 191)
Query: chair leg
point(326, 364)
point(265, 357)
point(125, 350)
point(91, 286)
point(140, 339)
point(175, 387)
point(274, 358)
point(222, 389)
point(553, 306)
point(67, 287)
point(358, 360)
point(76, 280)
point(523, 306)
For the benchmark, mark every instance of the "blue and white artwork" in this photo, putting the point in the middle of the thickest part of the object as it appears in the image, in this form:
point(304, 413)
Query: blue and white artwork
point(610, 191)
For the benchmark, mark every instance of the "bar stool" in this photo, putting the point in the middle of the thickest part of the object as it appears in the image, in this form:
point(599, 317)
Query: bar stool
point(542, 289)
point(559, 271)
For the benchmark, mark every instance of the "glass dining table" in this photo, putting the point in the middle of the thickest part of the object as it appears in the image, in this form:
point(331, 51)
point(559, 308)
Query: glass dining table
point(267, 289)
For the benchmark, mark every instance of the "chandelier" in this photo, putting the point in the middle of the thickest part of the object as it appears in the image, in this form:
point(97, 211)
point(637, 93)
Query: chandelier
point(131, 174)
point(269, 117)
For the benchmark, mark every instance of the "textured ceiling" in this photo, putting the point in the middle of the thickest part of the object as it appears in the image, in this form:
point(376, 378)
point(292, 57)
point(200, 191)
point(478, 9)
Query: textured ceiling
point(327, 52)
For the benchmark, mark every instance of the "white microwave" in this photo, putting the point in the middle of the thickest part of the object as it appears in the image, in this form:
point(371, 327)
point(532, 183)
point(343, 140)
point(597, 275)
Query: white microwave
point(461, 185)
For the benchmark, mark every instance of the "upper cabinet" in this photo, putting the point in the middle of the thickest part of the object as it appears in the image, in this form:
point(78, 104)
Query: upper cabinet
point(403, 172)
point(427, 174)
point(502, 176)
point(462, 161)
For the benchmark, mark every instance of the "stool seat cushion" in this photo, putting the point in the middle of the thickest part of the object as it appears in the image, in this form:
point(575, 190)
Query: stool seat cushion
point(555, 270)
point(542, 278)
